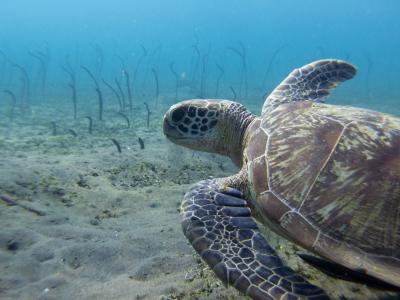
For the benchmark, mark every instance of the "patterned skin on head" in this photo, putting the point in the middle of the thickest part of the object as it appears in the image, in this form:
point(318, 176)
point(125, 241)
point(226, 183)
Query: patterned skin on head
point(192, 119)
point(195, 124)
point(215, 126)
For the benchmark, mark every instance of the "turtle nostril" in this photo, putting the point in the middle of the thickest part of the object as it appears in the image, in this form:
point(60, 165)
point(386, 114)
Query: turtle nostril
point(167, 126)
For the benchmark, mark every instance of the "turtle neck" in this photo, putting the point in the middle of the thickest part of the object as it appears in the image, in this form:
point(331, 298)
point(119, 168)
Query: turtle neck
point(235, 118)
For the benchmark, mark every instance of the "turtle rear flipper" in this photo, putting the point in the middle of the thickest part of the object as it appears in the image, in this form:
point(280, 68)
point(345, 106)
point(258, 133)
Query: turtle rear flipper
point(338, 271)
point(312, 82)
point(218, 224)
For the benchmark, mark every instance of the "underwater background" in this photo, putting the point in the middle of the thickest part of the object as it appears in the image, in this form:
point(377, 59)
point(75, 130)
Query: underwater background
point(90, 188)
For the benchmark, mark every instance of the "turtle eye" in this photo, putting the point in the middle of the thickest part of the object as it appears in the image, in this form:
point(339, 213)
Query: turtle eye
point(178, 114)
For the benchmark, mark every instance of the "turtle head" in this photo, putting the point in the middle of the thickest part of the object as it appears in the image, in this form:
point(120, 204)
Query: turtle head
point(208, 125)
point(193, 123)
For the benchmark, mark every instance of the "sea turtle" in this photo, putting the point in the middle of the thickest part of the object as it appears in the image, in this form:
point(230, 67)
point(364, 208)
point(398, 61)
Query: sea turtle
point(327, 177)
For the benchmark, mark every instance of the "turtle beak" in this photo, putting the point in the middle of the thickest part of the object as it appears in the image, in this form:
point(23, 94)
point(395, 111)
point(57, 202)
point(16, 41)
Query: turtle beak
point(170, 130)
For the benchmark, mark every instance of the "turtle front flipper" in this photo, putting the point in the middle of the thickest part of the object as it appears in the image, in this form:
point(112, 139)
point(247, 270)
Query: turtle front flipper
point(218, 224)
point(312, 82)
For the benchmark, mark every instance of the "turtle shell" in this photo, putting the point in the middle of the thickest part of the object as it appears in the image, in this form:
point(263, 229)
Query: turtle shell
point(328, 178)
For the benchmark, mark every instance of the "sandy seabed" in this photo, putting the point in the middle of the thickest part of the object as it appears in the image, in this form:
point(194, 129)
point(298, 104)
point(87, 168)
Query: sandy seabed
point(91, 223)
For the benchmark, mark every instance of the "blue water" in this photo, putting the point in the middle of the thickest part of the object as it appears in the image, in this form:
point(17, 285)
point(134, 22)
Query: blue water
point(274, 36)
